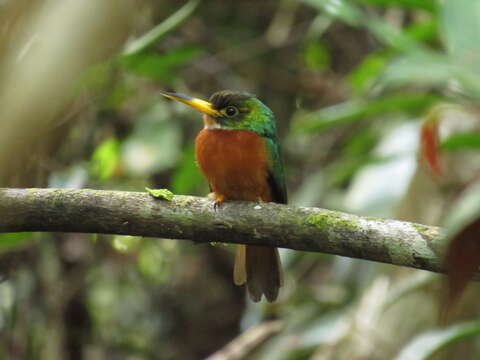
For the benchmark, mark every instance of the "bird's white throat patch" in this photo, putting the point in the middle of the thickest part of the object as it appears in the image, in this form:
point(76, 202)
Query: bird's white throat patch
point(212, 126)
point(209, 123)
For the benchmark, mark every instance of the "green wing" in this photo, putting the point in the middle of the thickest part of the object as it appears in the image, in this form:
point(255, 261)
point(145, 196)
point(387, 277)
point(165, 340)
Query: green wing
point(276, 176)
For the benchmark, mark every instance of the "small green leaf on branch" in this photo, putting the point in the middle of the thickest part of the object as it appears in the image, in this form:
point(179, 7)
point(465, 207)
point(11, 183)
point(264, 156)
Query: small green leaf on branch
point(164, 194)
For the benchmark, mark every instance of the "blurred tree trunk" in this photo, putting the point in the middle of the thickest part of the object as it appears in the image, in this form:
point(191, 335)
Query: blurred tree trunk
point(49, 47)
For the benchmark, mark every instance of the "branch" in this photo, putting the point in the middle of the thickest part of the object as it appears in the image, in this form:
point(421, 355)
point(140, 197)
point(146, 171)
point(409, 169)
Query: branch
point(188, 217)
point(248, 341)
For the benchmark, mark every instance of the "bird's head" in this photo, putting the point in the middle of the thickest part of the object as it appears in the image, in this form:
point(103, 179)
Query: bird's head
point(231, 110)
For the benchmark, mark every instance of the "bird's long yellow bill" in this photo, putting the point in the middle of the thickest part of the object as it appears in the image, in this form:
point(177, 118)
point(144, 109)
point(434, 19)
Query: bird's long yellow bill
point(198, 104)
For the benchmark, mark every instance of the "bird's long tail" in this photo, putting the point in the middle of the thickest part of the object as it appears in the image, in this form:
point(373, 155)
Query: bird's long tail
point(259, 267)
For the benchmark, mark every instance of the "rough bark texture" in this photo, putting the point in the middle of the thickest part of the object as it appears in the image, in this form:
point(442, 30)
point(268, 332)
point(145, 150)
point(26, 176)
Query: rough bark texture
point(187, 217)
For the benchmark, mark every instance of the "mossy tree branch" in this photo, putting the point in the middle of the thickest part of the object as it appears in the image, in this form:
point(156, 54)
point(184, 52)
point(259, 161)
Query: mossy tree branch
point(188, 217)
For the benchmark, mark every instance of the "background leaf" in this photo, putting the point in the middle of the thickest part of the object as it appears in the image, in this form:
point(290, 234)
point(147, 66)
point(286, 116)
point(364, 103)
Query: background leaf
point(463, 253)
point(470, 140)
point(353, 111)
point(426, 345)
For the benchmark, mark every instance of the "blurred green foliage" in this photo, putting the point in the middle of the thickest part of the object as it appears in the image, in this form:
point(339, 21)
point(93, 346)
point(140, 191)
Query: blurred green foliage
point(468, 140)
point(426, 345)
point(12, 241)
point(161, 68)
point(105, 159)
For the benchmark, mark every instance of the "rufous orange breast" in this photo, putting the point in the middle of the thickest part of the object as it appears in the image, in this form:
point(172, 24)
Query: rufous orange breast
point(234, 163)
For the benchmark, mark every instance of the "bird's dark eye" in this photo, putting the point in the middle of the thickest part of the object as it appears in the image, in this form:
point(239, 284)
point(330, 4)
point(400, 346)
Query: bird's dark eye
point(231, 111)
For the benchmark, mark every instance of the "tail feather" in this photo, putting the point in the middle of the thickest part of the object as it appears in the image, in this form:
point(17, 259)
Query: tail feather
point(260, 268)
point(239, 270)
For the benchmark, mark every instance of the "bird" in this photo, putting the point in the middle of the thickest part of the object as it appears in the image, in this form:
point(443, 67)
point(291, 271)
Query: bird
point(239, 154)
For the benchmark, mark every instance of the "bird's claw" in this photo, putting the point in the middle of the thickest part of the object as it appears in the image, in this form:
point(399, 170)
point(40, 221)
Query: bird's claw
point(216, 200)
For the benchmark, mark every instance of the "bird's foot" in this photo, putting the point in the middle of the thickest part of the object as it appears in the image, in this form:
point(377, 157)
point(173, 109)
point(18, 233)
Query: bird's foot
point(217, 203)
point(217, 200)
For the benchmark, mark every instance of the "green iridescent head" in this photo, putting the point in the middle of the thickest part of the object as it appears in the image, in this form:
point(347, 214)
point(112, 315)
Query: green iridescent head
point(232, 110)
